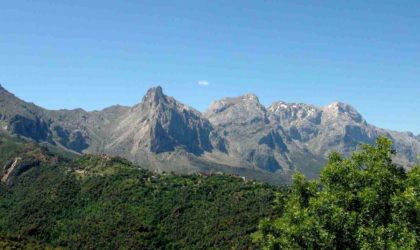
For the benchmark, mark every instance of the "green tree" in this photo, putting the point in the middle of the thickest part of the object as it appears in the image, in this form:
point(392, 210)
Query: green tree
point(363, 202)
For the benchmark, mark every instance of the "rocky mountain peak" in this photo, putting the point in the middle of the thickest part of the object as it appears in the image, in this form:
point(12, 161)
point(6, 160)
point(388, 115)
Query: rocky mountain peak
point(235, 133)
point(239, 110)
point(246, 99)
point(294, 112)
point(294, 108)
point(278, 106)
point(161, 124)
point(155, 101)
point(250, 97)
point(338, 106)
point(339, 109)
point(5, 93)
point(154, 95)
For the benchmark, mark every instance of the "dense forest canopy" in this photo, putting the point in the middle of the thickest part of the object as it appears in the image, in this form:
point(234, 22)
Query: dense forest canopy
point(102, 202)
point(56, 199)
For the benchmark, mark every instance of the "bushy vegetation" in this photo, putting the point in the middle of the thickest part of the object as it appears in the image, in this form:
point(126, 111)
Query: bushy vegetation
point(10, 147)
point(99, 202)
point(15, 243)
point(103, 202)
point(364, 202)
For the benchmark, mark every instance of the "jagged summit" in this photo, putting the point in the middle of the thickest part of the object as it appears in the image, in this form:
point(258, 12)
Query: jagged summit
point(295, 110)
point(156, 100)
point(302, 111)
point(236, 135)
point(245, 98)
point(249, 97)
point(154, 95)
point(285, 105)
point(237, 110)
point(340, 109)
point(159, 125)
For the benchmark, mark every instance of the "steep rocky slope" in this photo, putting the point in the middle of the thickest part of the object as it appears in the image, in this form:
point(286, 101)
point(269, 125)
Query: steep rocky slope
point(235, 135)
point(76, 130)
point(337, 127)
point(163, 134)
point(256, 140)
point(23, 118)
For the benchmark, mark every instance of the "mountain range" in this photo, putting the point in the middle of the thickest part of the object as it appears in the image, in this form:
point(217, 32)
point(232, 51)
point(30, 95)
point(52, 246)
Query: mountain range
point(237, 135)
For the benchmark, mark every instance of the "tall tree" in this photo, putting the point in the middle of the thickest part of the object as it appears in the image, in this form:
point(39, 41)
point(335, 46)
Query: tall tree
point(363, 202)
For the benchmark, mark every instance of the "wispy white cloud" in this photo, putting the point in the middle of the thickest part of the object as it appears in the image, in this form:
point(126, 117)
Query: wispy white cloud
point(203, 83)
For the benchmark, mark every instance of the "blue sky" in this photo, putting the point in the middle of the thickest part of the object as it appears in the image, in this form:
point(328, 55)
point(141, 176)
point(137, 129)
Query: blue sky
point(93, 54)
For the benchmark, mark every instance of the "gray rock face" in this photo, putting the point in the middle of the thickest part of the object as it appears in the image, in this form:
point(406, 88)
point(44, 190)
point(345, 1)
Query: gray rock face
point(235, 135)
point(72, 139)
point(161, 124)
point(245, 110)
point(337, 127)
point(76, 130)
point(36, 128)
point(299, 120)
point(252, 136)
point(23, 118)
point(175, 125)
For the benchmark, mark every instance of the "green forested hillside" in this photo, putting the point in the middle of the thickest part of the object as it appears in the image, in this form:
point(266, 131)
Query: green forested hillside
point(109, 203)
point(14, 243)
point(53, 199)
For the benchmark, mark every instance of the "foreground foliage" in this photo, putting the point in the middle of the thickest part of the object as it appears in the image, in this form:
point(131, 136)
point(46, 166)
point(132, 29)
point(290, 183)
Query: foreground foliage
point(364, 202)
point(102, 202)
point(99, 202)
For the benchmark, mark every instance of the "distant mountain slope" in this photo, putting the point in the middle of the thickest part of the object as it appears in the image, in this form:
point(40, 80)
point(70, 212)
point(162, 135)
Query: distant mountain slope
point(76, 130)
point(258, 141)
point(235, 135)
point(338, 127)
point(161, 128)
